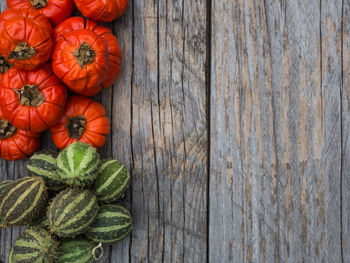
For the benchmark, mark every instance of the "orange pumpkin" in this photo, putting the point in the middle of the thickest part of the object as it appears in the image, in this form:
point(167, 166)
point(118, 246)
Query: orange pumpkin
point(55, 10)
point(25, 39)
point(16, 144)
point(83, 120)
point(102, 10)
point(80, 60)
point(114, 51)
point(32, 100)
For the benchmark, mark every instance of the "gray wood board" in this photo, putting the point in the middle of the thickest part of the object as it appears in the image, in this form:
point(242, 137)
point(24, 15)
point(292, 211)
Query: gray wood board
point(275, 167)
point(169, 135)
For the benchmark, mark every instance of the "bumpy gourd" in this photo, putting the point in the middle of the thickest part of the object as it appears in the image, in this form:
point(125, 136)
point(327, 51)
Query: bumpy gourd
point(35, 245)
point(77, 251)
point(113, 223)
point(4, 185)
point(112, 181)
point(77, 164)
point(43, 164)
point(72, 212)
point(23, 201)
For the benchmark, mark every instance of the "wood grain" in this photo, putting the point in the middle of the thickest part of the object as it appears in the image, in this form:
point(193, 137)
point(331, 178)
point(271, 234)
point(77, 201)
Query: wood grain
point(118, 100)
point(275, 131)
point(345, 184)
point(169, 132)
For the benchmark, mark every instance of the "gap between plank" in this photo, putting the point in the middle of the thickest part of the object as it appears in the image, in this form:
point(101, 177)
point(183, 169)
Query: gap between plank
point(341, 131)
point(132, 113)
point(208, 100)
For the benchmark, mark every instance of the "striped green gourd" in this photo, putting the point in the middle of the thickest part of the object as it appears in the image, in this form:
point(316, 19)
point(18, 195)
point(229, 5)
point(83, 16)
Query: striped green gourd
point(77, 164)
point(35, 245)
point(41, 222)
point(76, 251)
point(112, 181)
point(43, 164)
point(4, 185)
point(113, 223)
point(23, 201)
point(71, 212)
point(11, 257)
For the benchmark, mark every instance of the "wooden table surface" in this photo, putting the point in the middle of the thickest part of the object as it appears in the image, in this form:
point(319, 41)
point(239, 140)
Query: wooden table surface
point(234, 119)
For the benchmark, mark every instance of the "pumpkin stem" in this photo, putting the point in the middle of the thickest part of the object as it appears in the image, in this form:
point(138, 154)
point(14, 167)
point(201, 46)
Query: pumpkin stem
point(4, 65)
point(76, 126)
point(22, 52)
point(84, 55)
point(38, 3)
point(97, 252)
point(7, 130)
point(30, 95)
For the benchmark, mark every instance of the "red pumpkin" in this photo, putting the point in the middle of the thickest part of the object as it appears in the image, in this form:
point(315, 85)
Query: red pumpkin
point(114, 51)
point(80, 60)
point(16, 144)
point(83, 120)
point(102, 10)
point(31, 14)
point(25, 39)
point(55, 10)
point(32, 100)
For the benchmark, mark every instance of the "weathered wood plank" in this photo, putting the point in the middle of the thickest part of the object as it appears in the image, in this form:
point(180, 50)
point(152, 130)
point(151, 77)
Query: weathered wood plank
point(346, 134)
point(169, 132)
point(327, 244)
point(120, 116)
point(275, 131)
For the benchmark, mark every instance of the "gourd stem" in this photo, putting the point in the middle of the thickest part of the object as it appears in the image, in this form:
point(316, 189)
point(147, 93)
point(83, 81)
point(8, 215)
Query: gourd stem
point(7, 130)
point(4, 65)
point(30, 95)
point(97, 256)
point(38, 3)
point(84, 55)
point(76, 126)
point(22, 51)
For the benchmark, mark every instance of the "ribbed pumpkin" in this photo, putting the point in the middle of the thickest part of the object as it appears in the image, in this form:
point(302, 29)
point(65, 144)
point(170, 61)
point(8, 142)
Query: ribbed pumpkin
point(54, 10)
point(114, 51)
point(43, 164)
point(71, 212)
point(25, 38)
point(16, 144)
point(83, 120)
point(102, 10)
point(112, 181)
point(32, 100)
point(23, 201)
point(113, 223)
point(80, 60)
point(77, 164)
point(36, 244)
point(76, 251)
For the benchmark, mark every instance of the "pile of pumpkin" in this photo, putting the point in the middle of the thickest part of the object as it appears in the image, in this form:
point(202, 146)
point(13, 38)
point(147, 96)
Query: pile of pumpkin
point(42, 52)
point(67, 199)
point(67, 202)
